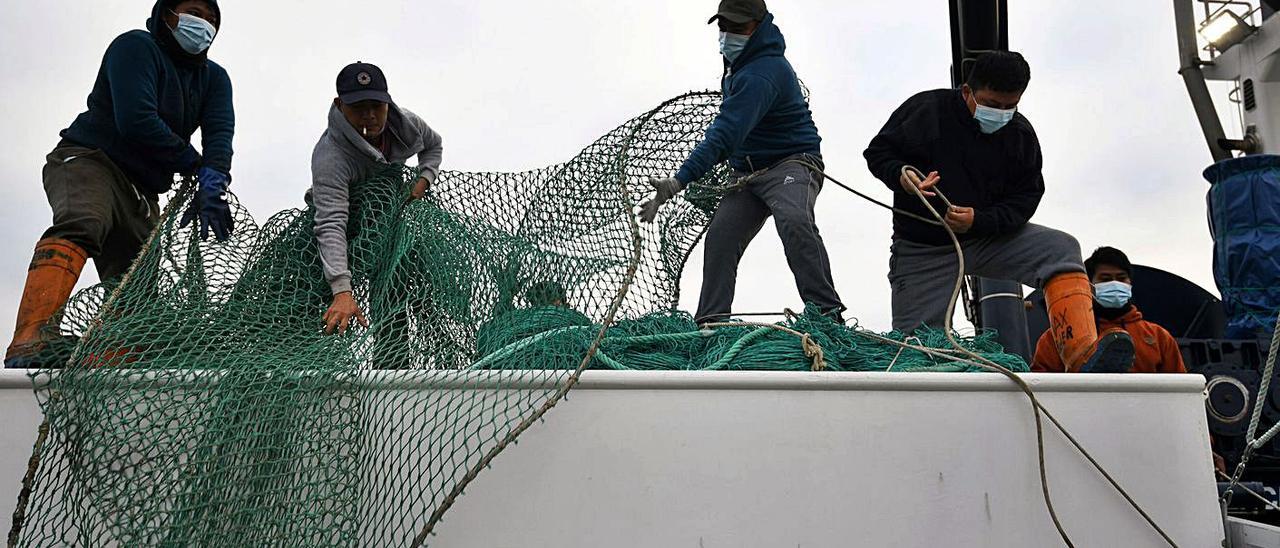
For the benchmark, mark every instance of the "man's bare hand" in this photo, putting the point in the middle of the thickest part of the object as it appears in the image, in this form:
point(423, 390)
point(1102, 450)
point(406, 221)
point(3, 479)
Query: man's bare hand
point(341, 313)
point(911, 181)
point(419, 189)
point(960, 219)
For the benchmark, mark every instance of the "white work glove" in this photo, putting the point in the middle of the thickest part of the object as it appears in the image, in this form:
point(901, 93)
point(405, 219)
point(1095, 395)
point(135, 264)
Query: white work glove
point(665, 189)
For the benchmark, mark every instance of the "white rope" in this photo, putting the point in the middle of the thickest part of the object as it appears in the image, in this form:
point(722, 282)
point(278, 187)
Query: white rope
point(978, 360)
point(917, 176)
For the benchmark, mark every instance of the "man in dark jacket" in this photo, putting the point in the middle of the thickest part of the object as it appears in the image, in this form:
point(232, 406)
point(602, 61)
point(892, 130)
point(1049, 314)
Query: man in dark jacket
point(104, 178)
point(984, 156)
point(764, 123)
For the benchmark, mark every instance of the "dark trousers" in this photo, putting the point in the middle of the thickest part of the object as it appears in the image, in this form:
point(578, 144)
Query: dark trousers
point(788, 192)
point(922, 277)
point(96, 207)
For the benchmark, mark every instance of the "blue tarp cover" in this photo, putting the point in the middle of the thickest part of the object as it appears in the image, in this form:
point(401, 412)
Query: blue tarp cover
point(1244, 218)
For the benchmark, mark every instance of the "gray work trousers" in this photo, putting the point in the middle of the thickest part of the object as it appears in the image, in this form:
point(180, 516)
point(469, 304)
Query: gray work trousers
point(922, 277)
point(96, 207)
point(788, 192)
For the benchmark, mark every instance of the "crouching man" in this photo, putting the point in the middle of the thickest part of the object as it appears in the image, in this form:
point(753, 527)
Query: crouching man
point(367, 130)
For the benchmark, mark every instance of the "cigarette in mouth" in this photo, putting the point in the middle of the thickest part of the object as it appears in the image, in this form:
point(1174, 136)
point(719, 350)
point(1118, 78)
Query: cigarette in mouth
point(364, 131)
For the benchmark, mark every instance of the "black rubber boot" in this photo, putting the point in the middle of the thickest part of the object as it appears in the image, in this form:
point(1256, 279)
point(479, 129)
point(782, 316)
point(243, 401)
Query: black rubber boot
point(1114, 354)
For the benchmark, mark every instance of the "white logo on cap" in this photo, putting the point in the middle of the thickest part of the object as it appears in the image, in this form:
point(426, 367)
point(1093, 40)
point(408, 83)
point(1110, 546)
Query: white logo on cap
point(364, 79)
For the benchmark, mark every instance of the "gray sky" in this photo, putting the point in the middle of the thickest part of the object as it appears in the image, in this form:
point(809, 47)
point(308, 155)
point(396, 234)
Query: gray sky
point(520, 85)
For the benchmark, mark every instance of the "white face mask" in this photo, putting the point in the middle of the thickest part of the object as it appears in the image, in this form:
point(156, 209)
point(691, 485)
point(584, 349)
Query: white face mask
point(193, 34)
point(731, 45)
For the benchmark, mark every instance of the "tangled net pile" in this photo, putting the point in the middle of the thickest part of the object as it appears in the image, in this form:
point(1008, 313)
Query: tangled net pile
point(201, 404)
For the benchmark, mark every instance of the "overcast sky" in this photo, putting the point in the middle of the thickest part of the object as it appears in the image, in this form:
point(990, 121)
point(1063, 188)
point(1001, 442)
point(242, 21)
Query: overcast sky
point(520, 85)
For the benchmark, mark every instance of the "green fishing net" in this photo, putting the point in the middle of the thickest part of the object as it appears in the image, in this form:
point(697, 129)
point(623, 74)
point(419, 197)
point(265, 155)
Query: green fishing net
point(199, 403)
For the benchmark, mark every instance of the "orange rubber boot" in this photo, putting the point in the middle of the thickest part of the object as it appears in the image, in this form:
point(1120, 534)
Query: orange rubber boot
point(53, 273)
point(1069, 298)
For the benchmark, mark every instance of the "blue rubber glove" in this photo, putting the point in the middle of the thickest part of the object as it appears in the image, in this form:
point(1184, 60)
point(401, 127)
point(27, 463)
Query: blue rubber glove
point(210, 205)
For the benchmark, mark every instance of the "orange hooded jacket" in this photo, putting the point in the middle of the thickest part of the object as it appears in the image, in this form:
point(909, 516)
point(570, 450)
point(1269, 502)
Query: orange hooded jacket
point(1155, 350)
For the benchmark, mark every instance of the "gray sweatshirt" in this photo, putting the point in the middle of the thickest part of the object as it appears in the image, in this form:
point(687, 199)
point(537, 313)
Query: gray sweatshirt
point(343, 157)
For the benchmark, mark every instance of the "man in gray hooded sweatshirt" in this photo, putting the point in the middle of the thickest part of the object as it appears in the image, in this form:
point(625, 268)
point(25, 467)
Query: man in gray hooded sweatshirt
point(366, 130)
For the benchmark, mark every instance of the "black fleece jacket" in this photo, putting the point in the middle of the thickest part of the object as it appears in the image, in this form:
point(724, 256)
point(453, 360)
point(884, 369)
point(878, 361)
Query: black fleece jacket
point(998, 174)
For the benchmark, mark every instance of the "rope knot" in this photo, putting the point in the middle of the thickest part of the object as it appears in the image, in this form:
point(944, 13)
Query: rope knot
point(814, 351)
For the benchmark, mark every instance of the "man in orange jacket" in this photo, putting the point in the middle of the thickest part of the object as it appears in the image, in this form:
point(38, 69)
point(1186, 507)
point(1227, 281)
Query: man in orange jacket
point(1155, 350)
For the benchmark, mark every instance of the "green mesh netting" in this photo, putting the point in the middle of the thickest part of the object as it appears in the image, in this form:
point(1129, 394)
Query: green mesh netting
point(202, 405)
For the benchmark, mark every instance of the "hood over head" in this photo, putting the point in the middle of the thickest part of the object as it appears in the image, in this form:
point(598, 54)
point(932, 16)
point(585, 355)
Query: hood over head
point(766, 41)
point(164, 35)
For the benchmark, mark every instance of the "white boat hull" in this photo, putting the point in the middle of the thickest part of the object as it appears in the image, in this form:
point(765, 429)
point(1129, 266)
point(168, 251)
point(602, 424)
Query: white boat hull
point(739, 459)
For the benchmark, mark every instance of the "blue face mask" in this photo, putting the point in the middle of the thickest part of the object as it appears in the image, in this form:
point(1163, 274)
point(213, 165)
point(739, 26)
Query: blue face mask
point(990, 120)
point(1112, 294)
point(193, 34)
point(731, 45)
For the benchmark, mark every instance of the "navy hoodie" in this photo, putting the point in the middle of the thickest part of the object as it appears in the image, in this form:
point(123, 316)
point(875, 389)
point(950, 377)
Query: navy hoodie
point(764, 117)
point(150, 97)
point(998, 175)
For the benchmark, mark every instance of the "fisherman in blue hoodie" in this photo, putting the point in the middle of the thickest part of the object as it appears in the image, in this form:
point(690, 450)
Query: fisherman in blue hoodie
point(104, 178)
point(764, 124)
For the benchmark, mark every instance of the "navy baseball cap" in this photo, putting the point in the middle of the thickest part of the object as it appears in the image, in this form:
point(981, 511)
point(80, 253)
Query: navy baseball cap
point(362, 81)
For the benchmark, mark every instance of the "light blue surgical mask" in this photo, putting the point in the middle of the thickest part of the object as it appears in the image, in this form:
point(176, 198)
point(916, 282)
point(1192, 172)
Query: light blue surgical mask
point(990, 120)
point(1112, 294)
point(193, 34)
point(731, 45)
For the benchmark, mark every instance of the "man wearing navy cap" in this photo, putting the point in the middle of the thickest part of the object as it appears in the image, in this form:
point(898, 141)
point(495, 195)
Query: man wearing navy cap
point(764, 123)
point(367, 130)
